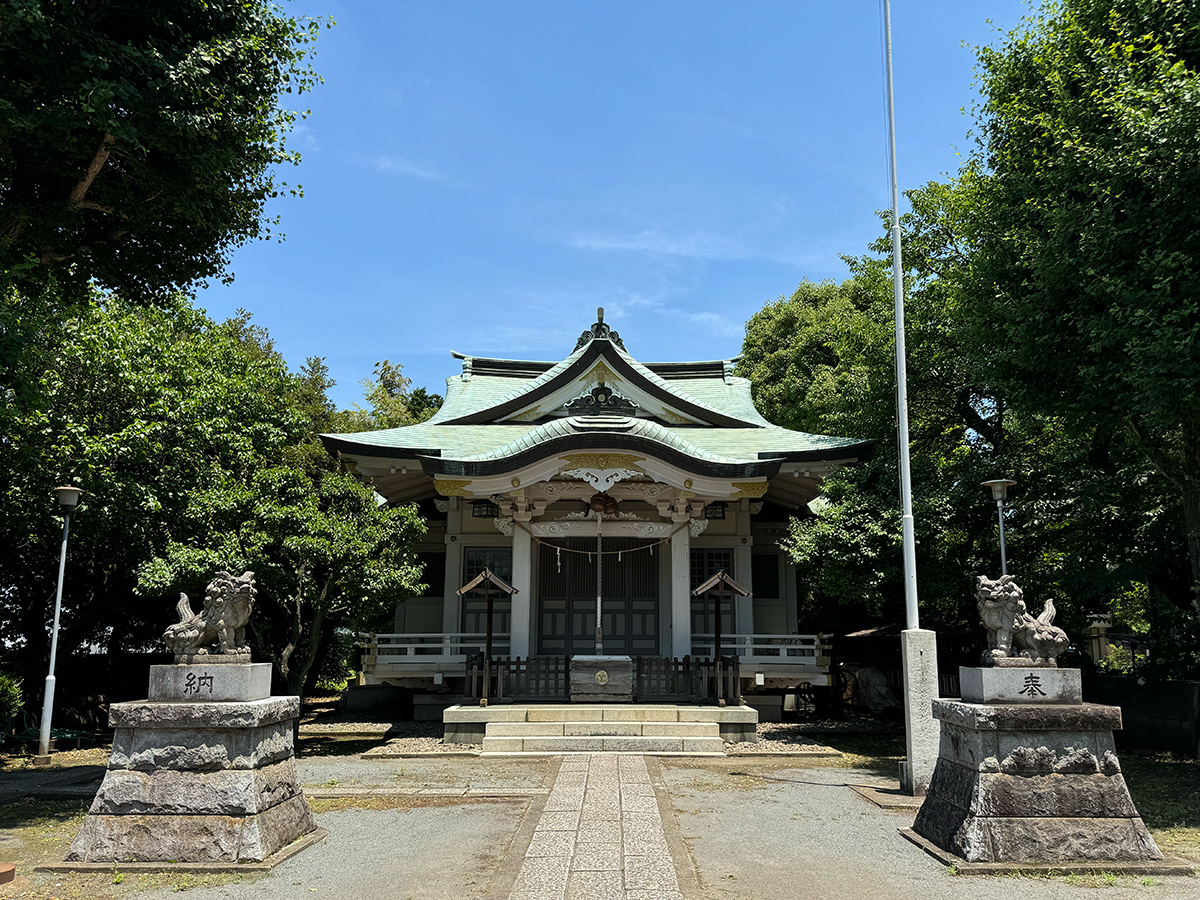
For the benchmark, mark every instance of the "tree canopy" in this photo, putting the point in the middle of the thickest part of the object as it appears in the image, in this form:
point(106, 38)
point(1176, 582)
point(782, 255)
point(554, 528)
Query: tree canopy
point(1083, 212)
point(138, 140)
point(1087, 522)
point(197, 448)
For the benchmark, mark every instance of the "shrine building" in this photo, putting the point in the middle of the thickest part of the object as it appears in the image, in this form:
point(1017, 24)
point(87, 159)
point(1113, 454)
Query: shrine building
point(598, 476)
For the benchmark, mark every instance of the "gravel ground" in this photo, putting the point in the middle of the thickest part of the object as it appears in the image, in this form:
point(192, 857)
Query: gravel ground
point(782, 737)
point(426, 737)
point(403, 737)
point(770, 831)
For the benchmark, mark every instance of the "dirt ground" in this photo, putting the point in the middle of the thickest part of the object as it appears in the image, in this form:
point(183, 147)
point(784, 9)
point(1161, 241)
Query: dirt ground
point(753, 828)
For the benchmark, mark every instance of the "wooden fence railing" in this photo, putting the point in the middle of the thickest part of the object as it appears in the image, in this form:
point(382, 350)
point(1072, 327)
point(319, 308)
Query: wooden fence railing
point(657, 679)
point(519, 678)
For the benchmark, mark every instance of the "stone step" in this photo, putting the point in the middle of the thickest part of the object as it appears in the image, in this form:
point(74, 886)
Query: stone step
point(603, 743)
point(603, 729)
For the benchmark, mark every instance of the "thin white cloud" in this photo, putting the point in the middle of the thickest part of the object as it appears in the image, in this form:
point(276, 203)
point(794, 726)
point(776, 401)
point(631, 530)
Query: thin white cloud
point(718, 324)
point(395, 165)
point(303, 135)
point(691, 244)
point(783, 247)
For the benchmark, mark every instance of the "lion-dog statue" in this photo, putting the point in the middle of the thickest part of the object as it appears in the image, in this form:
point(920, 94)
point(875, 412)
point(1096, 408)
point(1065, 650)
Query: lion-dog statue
point(220, 627)
point(1012, 631)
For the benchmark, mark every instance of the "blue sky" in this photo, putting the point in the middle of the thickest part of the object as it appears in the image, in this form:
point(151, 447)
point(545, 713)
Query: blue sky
point(481, 176)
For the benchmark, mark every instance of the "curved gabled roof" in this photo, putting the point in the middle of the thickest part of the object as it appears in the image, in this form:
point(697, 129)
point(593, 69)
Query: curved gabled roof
point(578, 364)
point(474, 432)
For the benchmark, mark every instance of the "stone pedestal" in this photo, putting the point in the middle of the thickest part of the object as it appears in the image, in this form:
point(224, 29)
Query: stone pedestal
point(918, 657)
point(198, 780)
point(601, 679)
point(1030, 781)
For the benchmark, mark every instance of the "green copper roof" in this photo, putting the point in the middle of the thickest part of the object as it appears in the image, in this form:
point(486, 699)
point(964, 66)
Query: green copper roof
point(467, 434)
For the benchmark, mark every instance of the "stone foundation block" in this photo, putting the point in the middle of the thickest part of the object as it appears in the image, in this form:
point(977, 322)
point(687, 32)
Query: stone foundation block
point(1031, 784)
point(191, 838)
point(229, 792)
point(204, 782)
point(251, 714)
point(210, 683)
point(189, 749)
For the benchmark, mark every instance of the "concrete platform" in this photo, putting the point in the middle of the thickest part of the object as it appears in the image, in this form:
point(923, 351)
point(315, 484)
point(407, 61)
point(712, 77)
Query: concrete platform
point(668, 721)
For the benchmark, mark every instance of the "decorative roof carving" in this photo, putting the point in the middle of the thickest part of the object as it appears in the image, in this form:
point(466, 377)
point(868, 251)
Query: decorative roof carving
point(452, 488)
point(600, 399)
point(601, 470)
point(599, 331)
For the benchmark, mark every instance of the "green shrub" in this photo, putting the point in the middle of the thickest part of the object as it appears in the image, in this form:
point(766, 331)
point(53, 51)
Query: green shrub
point(11, 699)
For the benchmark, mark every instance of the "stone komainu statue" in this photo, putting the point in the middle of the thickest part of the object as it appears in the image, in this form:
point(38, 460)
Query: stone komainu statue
point(1012, 631)
point(220, 627)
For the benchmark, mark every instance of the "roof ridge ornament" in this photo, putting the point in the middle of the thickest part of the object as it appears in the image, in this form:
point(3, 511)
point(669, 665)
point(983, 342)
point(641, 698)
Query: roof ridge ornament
point(599, 331)
point(600, 400)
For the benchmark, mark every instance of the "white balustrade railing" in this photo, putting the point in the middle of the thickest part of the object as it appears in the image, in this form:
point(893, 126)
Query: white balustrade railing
point(797, 649)
point(428, 648)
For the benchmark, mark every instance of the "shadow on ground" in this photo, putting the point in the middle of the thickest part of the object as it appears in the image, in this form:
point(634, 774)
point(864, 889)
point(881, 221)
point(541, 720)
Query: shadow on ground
point(332, 745)
point(31, 813)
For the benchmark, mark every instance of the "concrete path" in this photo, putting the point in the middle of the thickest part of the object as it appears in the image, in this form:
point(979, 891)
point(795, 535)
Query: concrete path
point(600, 836)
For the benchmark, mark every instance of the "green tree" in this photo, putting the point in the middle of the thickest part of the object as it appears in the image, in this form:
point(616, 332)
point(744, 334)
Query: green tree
point(189, 437)
point(1087, 520)
point(391, 402)
point(324, 553)
point(1085, 223)
point(139, 143)
point(138, 140)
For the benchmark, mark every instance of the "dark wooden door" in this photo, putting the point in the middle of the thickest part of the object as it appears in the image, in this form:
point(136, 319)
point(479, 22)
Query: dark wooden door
point(567, 597)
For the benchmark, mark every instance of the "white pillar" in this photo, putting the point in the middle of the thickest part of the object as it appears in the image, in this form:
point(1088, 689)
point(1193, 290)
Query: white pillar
point(743, 571)
point(451, 619)
point(522, 579)
point(681, 593)
point(923, 733)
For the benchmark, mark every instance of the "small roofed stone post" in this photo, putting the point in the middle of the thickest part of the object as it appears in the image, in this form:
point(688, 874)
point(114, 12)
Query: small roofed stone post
point(204, 770)
point(491, 584)
point(1027, 772)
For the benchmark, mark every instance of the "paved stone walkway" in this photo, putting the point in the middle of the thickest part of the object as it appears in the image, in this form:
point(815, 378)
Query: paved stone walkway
point(600, 836)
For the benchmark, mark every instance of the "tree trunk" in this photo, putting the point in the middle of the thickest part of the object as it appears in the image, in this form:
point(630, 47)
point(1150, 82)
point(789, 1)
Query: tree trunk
point(1191, 504)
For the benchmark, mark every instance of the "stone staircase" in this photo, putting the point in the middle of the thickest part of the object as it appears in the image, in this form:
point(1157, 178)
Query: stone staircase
point(591, 728)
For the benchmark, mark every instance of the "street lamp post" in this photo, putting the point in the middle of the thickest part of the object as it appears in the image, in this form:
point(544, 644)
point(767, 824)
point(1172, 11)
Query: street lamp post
point(1000, 488)
point(68, 499)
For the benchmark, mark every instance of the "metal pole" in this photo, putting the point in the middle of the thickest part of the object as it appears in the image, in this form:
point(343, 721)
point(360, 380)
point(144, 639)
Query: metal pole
point(1003, 558)
point(48, 699)
point(599, 581)
point(906, 520)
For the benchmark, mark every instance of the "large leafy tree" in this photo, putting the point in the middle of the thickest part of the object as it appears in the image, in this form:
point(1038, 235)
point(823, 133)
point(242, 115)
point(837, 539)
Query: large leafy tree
point(392, 402)
point(197, 449)
point(1086, 522)
point(138, 140)
point(1085, 222)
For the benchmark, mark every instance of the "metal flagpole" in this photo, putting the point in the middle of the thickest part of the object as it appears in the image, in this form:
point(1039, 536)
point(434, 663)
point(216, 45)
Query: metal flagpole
point(918, 648)
point(906, 521)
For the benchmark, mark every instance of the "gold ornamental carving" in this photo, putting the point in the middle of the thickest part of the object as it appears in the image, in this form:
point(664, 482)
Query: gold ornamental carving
point(452, 488)
point(600, 374)
point(528, 415)
point(752, 489)
point(602, 461)
point(675, 418)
